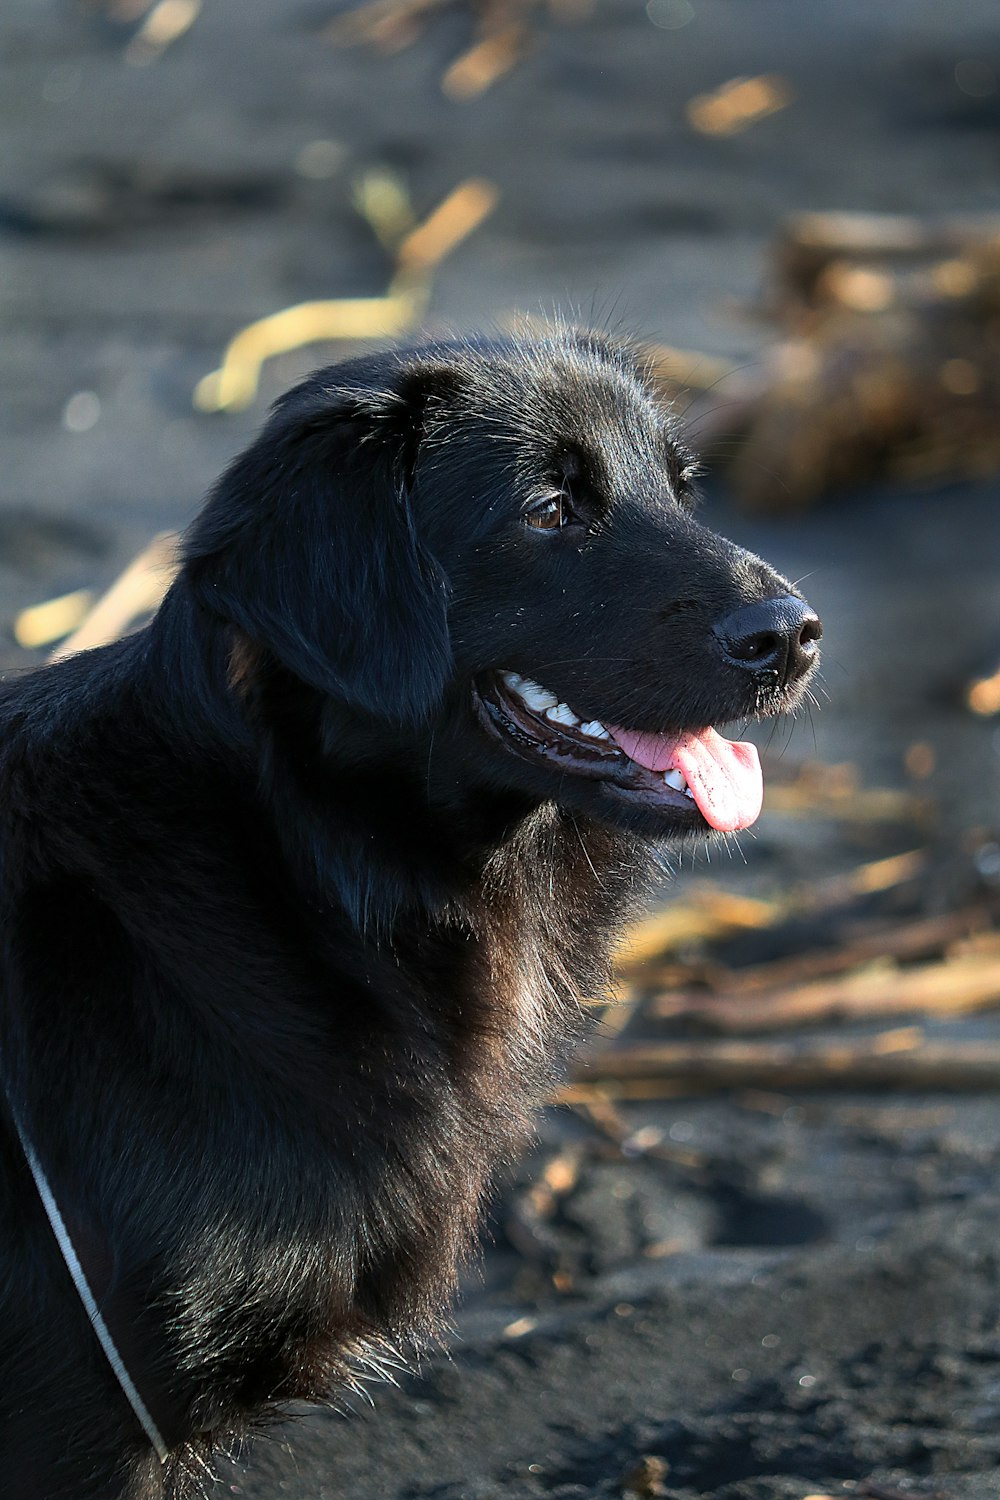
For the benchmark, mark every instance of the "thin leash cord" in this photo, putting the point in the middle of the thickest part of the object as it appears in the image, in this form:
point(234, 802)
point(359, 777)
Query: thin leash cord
point(69, 1255)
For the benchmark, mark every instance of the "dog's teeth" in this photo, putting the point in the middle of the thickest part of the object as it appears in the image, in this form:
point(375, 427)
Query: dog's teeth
point(688, 793)
point(513, 680)
point(595, 730)
point(560, 714)
point(535, 696)
point(676, 780)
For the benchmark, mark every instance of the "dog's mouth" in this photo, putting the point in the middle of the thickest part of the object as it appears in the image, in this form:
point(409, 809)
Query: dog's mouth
point(696, 774)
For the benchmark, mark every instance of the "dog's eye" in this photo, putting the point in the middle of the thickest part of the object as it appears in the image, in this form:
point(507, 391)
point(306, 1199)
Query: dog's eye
point(549, 514)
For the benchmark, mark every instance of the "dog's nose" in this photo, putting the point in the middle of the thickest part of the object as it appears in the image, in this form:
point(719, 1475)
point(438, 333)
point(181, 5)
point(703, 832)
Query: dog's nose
point(776, 637)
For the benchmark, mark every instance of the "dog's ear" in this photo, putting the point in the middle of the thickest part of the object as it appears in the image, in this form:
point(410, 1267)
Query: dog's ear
point(308, 543)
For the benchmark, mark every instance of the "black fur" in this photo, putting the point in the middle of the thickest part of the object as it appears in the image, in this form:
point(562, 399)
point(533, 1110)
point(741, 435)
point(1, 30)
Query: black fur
point(291, 945)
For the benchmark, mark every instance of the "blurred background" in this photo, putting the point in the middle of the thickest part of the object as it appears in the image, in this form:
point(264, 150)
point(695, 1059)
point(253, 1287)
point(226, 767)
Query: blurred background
point(753, 1254)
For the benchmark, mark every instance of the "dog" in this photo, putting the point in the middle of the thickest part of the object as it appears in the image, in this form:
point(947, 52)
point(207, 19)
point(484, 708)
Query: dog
point(304, 883)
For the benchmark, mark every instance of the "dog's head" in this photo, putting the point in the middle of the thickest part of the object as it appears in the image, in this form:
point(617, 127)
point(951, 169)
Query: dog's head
point(492, 545)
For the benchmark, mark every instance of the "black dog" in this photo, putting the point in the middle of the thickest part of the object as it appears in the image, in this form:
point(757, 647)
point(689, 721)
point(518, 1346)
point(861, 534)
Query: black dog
point(303, 884)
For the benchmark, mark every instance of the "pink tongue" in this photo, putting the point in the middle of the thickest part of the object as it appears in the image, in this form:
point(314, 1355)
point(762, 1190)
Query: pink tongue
point(724, 775)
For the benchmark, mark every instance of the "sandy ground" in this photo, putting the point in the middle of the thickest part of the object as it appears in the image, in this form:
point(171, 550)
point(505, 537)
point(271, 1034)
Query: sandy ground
point(825, 1317)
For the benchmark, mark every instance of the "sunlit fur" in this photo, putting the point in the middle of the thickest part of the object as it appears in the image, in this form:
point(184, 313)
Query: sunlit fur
point(291, 949)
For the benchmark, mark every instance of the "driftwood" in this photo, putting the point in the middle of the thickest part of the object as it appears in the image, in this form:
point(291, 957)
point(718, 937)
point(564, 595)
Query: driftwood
point(954, 986)
point(901, 1059)
point(918, 938)
point(837, 791)
point(873, 969)
point(960, 253)
point(711, 913)
point(886, 364)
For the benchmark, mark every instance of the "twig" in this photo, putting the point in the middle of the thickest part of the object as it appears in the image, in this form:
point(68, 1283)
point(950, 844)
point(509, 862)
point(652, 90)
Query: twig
point(454, 219)
point(41, 624)
point(387, 24)
point(739, 103)
point(134, 593)
point(983, 695)
point(234, 385)
point(489, 59)
point(165, 24)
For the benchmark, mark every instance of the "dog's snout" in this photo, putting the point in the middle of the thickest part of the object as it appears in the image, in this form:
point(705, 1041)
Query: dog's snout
point(776, 637)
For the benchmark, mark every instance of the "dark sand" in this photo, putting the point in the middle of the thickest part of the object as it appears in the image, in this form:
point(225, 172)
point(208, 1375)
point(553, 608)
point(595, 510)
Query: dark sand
point(827, 1319)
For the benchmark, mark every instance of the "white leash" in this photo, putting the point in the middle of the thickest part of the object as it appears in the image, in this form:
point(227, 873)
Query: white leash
point(76, 1271)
